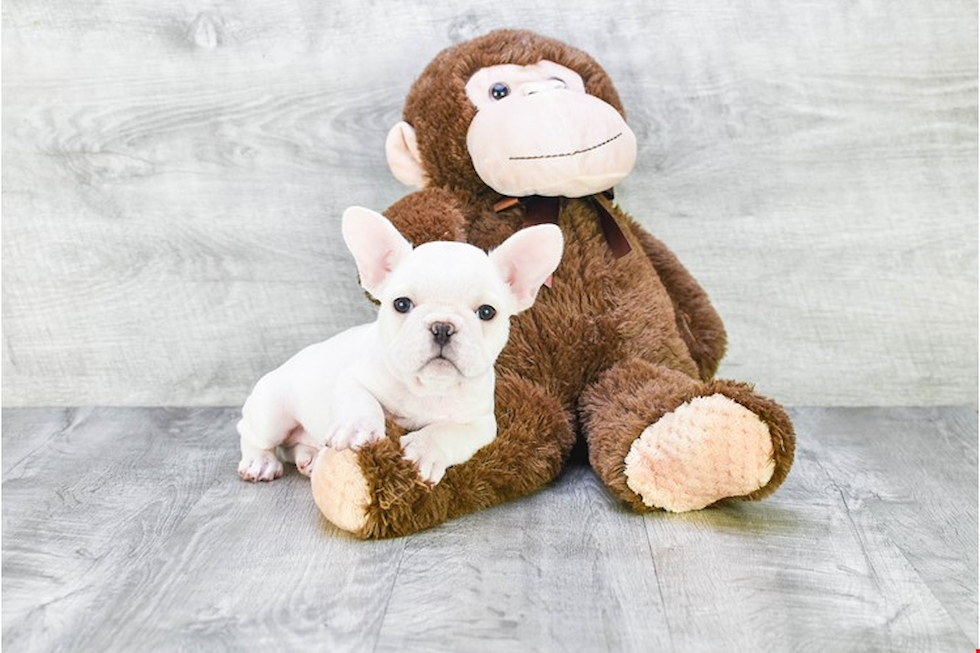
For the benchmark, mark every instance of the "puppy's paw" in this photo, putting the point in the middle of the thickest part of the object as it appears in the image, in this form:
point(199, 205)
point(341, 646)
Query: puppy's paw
point(430, 459)
point(355, 432)
point(302, 456)
point(259, 465)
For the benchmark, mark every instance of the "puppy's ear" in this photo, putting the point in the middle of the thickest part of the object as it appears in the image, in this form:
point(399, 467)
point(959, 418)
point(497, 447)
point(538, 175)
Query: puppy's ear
point(527, 259)
point(376, 245)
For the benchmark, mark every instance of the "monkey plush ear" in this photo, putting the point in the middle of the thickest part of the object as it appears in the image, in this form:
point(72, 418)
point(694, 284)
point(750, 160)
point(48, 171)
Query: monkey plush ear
point(376, 245)
point(527, 259)
point(403, 155)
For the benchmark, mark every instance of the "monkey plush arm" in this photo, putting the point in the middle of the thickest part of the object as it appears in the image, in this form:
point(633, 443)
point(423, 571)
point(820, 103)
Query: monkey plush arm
point(428, 214)
point(699, 324)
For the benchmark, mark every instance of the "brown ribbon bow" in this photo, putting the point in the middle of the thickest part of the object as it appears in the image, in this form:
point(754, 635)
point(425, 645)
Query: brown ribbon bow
point(544, 210)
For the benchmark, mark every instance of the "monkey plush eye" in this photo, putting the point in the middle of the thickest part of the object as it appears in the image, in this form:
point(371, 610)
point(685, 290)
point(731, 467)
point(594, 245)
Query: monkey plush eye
point(403, 304)
point(499, 91)
point(486, 312)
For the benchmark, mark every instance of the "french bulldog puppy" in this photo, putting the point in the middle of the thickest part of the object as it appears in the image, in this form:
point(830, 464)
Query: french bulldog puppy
point(426, 362)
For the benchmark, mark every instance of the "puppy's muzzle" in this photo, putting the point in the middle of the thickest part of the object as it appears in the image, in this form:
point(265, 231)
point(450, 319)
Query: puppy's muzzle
point(442, 332)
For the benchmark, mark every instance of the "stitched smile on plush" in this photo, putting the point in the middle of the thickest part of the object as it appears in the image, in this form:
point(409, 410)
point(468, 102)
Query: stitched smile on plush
point(564, 154)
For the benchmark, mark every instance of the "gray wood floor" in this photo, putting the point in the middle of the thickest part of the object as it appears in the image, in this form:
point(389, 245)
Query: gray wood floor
point(127, 529)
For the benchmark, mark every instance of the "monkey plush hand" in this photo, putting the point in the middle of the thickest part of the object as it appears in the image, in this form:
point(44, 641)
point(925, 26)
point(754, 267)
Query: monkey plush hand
point(512, 129)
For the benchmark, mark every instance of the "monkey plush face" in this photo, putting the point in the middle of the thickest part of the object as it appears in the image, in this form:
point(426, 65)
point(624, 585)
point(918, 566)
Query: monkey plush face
point(537, 132)
point(516, 113)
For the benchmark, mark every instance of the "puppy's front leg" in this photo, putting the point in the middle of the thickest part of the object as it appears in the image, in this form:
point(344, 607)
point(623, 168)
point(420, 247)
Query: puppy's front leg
point(435, 447)
point(356, 419)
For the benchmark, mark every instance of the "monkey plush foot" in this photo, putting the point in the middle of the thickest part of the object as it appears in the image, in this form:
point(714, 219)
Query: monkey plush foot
point(340, 489)
point(707, 449)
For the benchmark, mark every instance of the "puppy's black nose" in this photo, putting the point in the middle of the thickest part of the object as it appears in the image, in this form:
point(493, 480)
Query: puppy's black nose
point(442, 332)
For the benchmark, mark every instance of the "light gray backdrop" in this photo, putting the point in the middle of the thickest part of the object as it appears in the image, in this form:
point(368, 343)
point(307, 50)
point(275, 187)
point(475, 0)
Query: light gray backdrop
point(174, 173)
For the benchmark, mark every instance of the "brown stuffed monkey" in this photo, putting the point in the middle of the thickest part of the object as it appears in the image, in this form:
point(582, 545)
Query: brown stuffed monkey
point(512, 129)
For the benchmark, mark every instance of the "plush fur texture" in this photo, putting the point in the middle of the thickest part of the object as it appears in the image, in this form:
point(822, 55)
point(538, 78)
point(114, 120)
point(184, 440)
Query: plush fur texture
point(614, 346)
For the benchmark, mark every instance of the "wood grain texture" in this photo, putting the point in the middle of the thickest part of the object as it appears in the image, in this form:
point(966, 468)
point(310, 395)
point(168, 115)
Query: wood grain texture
point(98, 495)
point(174, 175)
point(566, 569)
point(128, 529)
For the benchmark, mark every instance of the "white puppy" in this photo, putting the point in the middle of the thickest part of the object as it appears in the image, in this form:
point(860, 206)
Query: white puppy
point(426, 362)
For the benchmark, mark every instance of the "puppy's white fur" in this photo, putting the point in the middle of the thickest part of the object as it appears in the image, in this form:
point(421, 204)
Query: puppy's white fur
point(338, 392)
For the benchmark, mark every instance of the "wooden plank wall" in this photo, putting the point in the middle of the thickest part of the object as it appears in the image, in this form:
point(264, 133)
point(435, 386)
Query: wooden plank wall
point(174, 173)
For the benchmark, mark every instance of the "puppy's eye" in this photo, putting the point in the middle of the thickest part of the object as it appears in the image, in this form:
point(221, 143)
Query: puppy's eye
point(403, 304)
point(486, 312)
point(499, 91)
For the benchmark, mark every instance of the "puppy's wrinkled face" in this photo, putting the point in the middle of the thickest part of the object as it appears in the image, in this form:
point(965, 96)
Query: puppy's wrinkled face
point(444, 315)
point(446, 306)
